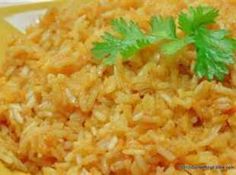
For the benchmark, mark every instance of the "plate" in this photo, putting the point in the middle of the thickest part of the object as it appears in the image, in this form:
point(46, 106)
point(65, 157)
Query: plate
point(17, 15)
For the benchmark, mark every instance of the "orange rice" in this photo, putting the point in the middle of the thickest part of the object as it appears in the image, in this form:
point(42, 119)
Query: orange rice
point(64, 113)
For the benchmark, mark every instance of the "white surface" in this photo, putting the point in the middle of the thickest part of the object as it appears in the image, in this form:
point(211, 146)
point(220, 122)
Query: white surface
point(21, 21)
point(4, 3)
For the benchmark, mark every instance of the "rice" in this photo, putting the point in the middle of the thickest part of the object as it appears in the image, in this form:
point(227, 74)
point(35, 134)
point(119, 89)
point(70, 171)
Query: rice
point(64, 113)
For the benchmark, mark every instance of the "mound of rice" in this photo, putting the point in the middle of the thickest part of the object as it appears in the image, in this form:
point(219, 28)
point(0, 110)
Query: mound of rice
point(64, 113)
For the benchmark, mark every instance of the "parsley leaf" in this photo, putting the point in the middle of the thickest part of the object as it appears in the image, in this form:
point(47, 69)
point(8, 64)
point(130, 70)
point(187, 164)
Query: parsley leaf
point(127, 44)
point(197, 17)
point(131, 38)
point(214, 53)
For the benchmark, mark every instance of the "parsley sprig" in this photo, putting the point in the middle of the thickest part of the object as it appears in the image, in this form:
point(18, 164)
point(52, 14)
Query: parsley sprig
point(214, 48)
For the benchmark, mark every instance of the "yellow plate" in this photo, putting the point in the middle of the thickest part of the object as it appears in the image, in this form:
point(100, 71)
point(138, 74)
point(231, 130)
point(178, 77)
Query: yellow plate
point(6, 30)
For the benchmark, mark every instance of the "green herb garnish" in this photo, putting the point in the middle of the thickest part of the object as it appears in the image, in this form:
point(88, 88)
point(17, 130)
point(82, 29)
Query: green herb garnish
point(214, 48)
point(132, 39)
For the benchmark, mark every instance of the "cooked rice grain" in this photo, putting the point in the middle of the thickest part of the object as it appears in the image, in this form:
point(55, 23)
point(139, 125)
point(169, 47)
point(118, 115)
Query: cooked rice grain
point(64, 113)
